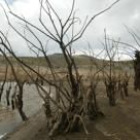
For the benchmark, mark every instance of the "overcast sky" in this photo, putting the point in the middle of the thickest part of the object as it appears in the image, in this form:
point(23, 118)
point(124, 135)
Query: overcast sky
point(126, 12)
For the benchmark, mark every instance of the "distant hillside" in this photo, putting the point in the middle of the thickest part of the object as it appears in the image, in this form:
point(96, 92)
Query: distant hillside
point(59, 61)
point(80, 60)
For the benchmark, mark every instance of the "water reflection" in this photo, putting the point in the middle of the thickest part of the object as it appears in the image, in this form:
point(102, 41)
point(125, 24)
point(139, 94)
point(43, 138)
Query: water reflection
point(9, 119)
point(2, 136)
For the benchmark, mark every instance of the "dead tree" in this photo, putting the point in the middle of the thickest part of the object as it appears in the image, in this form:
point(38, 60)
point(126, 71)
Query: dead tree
point(136, 58)
point(8, 95)
point(91, 103)
point(19, 102)
point(120, 87)
point(111, 88)
point(91, 108)
point(4, 81)
point(126, 84)
point(19, 96)
point(137, 71)
point(110, 79)
point(70, 109)
point(13, 97)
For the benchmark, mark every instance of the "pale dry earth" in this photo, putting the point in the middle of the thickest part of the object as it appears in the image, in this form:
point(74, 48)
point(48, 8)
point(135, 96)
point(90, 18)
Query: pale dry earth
point(121, 122)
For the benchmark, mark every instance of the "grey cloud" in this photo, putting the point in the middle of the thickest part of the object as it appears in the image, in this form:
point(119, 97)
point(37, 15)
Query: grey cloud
point(126, 12)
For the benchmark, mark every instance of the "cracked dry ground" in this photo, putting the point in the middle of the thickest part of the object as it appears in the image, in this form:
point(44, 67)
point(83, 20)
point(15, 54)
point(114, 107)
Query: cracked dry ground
point(121, 122)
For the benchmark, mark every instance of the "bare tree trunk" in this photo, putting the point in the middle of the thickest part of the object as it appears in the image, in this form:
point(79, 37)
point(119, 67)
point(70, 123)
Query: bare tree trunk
point(7, 95)
point(137, 71)
point(19, 103)
point(68, 117)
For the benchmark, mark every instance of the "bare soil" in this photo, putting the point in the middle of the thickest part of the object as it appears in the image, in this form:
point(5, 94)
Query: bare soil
point(121, 122)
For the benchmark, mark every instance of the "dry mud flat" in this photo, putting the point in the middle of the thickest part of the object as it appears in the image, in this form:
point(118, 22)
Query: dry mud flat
point(121, 122)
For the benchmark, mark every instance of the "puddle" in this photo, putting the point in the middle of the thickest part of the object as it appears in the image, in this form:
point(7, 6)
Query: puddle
point(2, 136)
point(9, 119)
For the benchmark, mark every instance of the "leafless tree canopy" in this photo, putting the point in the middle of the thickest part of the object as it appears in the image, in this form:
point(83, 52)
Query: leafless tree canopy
point(71, 99)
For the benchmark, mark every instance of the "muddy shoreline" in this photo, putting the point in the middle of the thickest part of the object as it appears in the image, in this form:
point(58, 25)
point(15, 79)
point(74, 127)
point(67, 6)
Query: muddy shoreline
point(10, 119)
point(119, 123)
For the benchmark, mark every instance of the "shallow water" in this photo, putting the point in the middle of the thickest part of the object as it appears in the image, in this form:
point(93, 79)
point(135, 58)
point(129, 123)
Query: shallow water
point(1, 136)
point(9, 119)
